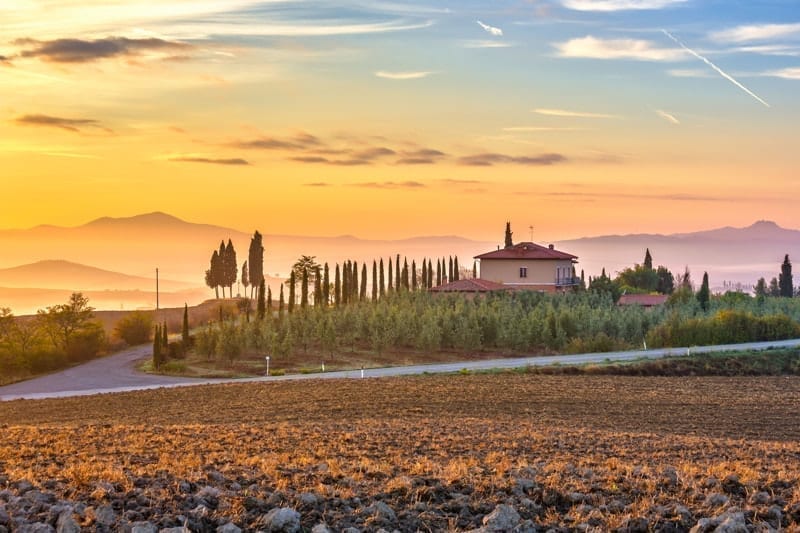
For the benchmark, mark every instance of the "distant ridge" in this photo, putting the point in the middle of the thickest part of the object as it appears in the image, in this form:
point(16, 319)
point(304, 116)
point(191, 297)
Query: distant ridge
point(61, 274)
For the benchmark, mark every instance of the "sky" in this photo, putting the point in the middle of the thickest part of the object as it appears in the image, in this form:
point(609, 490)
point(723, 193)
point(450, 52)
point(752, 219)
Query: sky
point(392, 119)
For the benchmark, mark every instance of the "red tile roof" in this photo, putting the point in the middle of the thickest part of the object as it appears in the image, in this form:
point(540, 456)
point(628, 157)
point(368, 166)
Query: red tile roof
point(645, 300)
point(469, 285)
point(526, 250)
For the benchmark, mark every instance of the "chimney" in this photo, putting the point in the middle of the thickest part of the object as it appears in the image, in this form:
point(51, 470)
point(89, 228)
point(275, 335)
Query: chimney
point(551, 247)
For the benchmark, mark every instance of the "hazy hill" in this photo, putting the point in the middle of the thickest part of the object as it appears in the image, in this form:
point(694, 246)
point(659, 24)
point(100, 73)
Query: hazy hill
point(60, 274)
point(728, 254)
point(182, 250)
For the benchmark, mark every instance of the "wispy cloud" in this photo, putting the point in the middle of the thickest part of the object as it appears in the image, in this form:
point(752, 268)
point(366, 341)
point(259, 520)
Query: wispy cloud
point(403, 75)
point(211, 160)
point(571, 114)
point(680, 197)
point(301, 141)
point(69, 124)
point(317, 184)
point(716, 68)
point(83, 51)
point(636, 49)
point(756, 32)
point(790, 73)
point(487, 44)
point(491, 30)
point(489, 159)
point(535, 129)
point(390, 185)
point(619, 5)
point(669, 117)
point(423, 156)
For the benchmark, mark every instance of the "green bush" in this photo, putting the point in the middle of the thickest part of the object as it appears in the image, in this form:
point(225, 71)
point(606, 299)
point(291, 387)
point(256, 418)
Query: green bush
point(174, 367)
point(135, 328)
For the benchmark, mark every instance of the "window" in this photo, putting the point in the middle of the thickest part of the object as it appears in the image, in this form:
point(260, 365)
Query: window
point(523, 272)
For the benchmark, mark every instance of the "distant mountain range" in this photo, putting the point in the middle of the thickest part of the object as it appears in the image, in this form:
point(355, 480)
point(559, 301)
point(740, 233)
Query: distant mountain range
point(734, 255)
point(181, 250)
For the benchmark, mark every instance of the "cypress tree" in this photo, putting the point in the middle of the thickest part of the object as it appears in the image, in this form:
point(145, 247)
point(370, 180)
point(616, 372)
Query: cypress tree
point(474, 270)
point(450, 270)
point(381, 285)
point(509, 242)
point(406, 284)
point(185, 328)
point(389, 288)
point(430, 274)
point(221, 277)
point(346, 278)
point(354, 287)
point(255, 261)
point(212, 274)
point(423, 274)
point(397, 274)
point(648, 260)
point(245, 278)
point(337, 288)
point(261, 308)
point(785, 281)
point(304, 290)
point(157, 347)
point(438, 272)
point(230, 267)
point(456, 274)
point(280, 303)
point(326, 286)
point(164, 339)
point(292, 281)
point(704, 295)
point(269, 299)
point(363, 295)
point(317, 287)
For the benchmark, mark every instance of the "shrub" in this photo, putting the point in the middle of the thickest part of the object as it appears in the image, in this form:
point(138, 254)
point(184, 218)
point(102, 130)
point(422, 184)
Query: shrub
point(175, 350)
point(174, 367)
point(135, 328)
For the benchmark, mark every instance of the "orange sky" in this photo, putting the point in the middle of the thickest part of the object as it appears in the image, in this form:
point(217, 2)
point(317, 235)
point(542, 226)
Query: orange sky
point(386, 121)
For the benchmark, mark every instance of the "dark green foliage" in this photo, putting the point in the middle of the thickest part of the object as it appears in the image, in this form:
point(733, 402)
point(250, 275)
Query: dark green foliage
point(292, 282)
point(281, 302)
point(785, 281)
point(185, 325)
point(255, 260)
point(389, 286)
point(397, 274)
point(261, 306)
point(509, 242)
point(230, 267)
point(666, 281)
point(413, 275)
point(456, 273)
point(337, 288)
point(381, 285)
point(602, 284)
point(406, 281)
point(213, 273)
point(317, 286)
point(774, 287)
point(760, 289)
point(374, 281)
point(704, 294)
point(164, 336)
point(269, 300)
point(363, 290)
point(245, 278)
point(648, 260)
point(474, 270)
point(326, 286)
point(438, 272)
point(304, 290)
point(430, 274)
point(135, 328)
point(157, 348)
point(450, 270)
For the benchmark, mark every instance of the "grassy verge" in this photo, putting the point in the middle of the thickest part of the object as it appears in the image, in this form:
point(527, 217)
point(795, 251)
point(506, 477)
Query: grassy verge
point(760, 363)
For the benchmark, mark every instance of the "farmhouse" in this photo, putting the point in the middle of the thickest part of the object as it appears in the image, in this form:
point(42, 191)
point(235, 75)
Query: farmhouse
point(529, 266)
point(521, 266)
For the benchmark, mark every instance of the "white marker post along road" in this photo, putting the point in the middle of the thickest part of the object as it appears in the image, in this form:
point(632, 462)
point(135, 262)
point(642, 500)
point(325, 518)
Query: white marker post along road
point(117, 373)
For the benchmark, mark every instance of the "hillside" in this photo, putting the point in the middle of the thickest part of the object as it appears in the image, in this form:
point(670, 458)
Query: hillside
point(728, 254)
point(60, 274)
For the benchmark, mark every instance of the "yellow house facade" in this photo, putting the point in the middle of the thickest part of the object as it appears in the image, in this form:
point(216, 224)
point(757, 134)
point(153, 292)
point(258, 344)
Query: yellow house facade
point(529, 266)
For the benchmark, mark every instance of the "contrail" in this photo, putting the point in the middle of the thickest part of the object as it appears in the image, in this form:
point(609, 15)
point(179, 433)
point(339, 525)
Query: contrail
point(712, 65)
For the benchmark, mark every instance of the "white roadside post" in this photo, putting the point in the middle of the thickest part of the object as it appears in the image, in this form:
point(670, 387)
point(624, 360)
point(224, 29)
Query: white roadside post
point(267, 358)
point(362, 371)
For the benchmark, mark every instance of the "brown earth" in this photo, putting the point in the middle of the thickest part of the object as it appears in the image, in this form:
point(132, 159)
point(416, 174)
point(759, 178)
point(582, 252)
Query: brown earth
point(442, 452)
